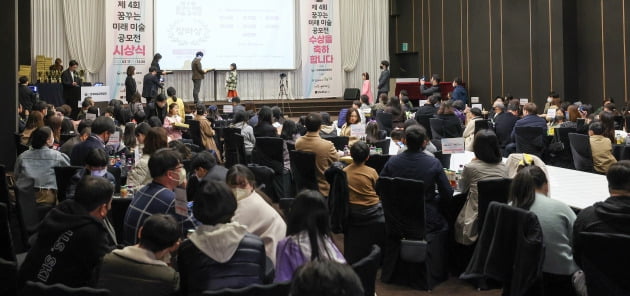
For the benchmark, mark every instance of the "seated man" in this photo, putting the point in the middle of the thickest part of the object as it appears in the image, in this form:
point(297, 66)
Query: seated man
point(530, 119)
point(102, 129)
point(85, 129)
point(601, 148)
point(434, 88)
point(205, 167)
point(167, 171)
point(95, 165)
point(72, 239)
point(325, 152)
point(140, 269)
point(609, 216)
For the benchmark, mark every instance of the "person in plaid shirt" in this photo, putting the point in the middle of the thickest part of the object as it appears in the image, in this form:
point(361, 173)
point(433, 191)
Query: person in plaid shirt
point(158, 197)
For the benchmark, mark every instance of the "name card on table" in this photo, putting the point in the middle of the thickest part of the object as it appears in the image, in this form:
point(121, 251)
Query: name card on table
point(551, 113)
point(228, 109)
point(98, 93)
point(524, 101)
point(114, 140)
point(480, 106)
point(181, 203)
point(474, 100)
point(452, 145)
point(90, 116)
point(357, 130)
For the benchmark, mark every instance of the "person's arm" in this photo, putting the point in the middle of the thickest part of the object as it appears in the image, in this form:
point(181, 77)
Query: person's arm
point(464, 182)
point(66, 79)
point(332, 154)
point(381, 80)
point(444, 186)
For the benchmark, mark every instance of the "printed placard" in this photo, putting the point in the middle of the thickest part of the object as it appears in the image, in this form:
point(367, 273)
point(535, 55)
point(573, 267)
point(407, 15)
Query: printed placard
point(474, 100)
point(181, 204)
point(357, 130)
point(524, 101)
point(452, 145)
point(551, 113)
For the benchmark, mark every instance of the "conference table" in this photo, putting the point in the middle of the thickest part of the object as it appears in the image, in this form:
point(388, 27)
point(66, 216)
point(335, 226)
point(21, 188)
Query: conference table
point(413, 89)
point(575, 188)
point(52, 93)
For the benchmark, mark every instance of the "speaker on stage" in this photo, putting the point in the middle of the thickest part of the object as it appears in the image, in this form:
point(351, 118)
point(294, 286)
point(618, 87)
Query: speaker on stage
point(351, 94)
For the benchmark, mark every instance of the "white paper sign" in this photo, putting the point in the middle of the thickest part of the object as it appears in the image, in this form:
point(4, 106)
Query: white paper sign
point(422, 102)
point(114, 140)
point(524, 101)
point(452, 145)
point(480, 106)
point(98, 93)
point(357, 130)
point(90, 116)
point(181, 204)
point(474, 100)
point(551, 113)
point(228, 109)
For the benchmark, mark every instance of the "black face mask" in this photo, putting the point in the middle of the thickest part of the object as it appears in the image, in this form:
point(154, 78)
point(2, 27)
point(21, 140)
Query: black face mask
point(381, 66)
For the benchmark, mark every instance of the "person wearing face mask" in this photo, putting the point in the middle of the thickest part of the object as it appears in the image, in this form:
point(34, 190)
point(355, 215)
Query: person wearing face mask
point(205, 167)
point(34, 169)
point(383, 80)
point(71, 240)
point(158, 197)
point(102, 129)
point(254, 212)
point(553, 102)
point(95, 165)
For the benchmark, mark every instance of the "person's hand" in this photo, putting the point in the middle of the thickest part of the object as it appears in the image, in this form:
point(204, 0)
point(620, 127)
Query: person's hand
point(74, 84)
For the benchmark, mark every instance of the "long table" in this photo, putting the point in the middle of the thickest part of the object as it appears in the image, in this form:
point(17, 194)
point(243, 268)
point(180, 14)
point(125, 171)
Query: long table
point(575, 188)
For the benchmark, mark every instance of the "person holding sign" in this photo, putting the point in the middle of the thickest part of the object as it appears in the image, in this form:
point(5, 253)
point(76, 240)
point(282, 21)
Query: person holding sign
point(352, 118)
point(231, 80)
point(198, 74)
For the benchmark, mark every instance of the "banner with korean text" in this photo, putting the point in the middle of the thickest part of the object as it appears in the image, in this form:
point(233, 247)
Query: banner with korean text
point(321, 48)
point(129, 34)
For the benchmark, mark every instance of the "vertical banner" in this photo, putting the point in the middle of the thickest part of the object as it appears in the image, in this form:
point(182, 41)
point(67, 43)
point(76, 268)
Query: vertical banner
point(321, 48)
point(129, 42)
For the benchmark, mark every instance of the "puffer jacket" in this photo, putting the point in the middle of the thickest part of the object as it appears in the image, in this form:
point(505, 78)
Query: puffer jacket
point(199, 273)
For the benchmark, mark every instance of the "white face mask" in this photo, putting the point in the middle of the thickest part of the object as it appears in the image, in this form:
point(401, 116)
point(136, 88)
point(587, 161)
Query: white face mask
point(181, 177)
point(98, 173)
point(549, 100)
point(241, 193)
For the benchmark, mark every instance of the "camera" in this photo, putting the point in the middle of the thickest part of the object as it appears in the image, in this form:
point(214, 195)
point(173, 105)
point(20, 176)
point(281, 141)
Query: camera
point(283, 75)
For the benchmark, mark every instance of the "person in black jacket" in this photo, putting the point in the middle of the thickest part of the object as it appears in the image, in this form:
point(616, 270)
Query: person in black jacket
point(205, 168)
point(504, 122)
point(434, 88)
point(72, 86)
point(265, 128)
point(383, 80)
point(150, 85)
point(72, 238)
point(427, 112)
point(220, 253)
point(157, 108)
point(130, 84)
point(156, 64)
point(27, 97)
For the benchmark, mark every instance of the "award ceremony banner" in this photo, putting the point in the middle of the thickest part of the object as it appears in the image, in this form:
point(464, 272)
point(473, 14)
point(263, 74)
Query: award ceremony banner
point(321, 48)
point(129, 42)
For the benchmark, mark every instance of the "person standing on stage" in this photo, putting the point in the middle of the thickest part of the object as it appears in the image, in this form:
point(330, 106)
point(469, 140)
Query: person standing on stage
point(156, 64)
point(198, 74)
point(383, 80)
point(130, 84)
point(150, 85)
point(231, 80)
point(72, 86)
point(57, 66)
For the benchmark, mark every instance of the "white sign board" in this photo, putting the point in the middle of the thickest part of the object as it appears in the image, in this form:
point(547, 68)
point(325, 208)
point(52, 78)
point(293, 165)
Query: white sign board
point(98, 93)
point(357, 130)
point(551, 113)
point(228, 109)
point(480, 106)
point(452, 145)
point(524, 101)
point(474, 100)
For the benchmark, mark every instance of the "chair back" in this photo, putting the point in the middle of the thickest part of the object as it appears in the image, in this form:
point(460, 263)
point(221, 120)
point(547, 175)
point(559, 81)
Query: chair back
point(63, 175)
point(383, 144)
point(530, 140)
point(65, 137)
point(19, 147)
point(426, 123)
point(290, 146)
point(264, 179)
point(339, 141)
point(304, 170)
point(366, 269)
point(8, 277)
point(605, 268)
point(437, 128)
point(116, 172)
point(275, 289)
point(403, 204)
point(234, 149)
point(341, 119)
point(619, 122)
point(7, 251)
point(4, 187)
point(563, 158)
point(377, 161)
point(581, 152)
point(194, 147)
point(195, 132)
point(269, 152)
point(481, 124)
point(491, 190)
point(37, 289)
point(28, 215)
point(627, 120)
point(384, 121)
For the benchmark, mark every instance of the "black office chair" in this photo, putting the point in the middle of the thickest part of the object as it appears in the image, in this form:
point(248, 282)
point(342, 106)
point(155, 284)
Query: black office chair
point(116, 172)
point(275, 289)
point(604, 263)
point(195, 132)
point(383, 144)
point(497, 190)
point(304, 170)
point(437, 128)
point(194, 147)
point(619, 122)
point(426, 123)
point(18, 144)
point(581, 152)
point(366, 269)
point(384, 121)
point(7, 251)
point(269, 152)
point(341, 119)
point(8, 277)
point(482, 124)
point(4, 186)
point(235, 150)
point(530, 140)
point(403, 204)
point(264, 179)
point(28, 212)
point(63, 175)
point(38, 289)
point(340, 142)
point(377, 161)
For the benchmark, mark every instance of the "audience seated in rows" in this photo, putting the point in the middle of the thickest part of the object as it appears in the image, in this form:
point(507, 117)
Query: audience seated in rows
point(102, 129)
point(204, 168)
point(240, 121)
point(325, 152)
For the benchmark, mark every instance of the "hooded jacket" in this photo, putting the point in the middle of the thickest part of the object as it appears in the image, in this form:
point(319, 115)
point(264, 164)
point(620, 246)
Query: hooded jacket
point(69, 246)
point(610, 216)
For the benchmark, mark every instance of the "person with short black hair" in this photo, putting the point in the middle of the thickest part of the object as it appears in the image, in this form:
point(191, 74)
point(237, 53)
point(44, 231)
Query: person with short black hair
point(167, 171)
point(264, 127)
point(140, 269)
point(220, 253)
point(150, 85)
point(72, 240)
point(487, 164)
point(530, 119)
point(325, 152)
point(459, 91)
point(434, 88)
point(326, 277)
point(204, 166)
point(26, 96)
point(95, 165)
point(601, 148)
point(328, 129)
point(504, 123)
point(198, 74)
point(83, 132)
point(157, 108)
point(87, 103)
point(102, 129)
point(71, 86)
point(383, 80)
point(34, 168)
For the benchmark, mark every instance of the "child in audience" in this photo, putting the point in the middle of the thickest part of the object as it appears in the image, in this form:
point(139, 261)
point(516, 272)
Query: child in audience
point(170, 121)
point(326, 278)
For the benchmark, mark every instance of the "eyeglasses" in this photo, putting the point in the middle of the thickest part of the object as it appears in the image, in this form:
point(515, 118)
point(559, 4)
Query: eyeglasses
point(177, 167)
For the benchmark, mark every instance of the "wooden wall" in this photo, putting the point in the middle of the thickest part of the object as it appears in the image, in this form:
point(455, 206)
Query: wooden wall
point(524, 48)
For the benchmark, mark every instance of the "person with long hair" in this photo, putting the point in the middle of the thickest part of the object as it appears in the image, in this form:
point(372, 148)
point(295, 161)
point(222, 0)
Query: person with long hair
point(171, 121)
point(372, 133)
point(139, 175)
point(207, 133)
point(308, 236)
point(130, 84)
point(395, 109)
point(487, 164)
point(172, 98)
point(35, 120)
point(54, 122)
point(530, 191)
point(264, 127)
point(352, 117)
point(366, 88)
point(608, 123)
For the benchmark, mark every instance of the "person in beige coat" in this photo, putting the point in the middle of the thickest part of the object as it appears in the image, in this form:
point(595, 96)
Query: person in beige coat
point(601, 148)
point(139, 175)
point(207, 133)
point(472, 115)
point(325, 152)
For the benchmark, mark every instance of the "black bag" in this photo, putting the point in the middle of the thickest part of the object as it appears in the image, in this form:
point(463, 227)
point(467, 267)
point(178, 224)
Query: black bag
point(413, 250)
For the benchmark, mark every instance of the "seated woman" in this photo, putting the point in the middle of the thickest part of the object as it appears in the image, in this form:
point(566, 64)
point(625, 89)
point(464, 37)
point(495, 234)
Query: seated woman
point(452, 124)
point(530, 191)
point(220, 253)
point(240, 121)
point(308, 236)
point(171, 120)
point(253, 211)
point(139, 174)
point(207, 133)
point(472, 116)
point(487, 164)
point(372, 133)
point(352, 117)
point(35, 120)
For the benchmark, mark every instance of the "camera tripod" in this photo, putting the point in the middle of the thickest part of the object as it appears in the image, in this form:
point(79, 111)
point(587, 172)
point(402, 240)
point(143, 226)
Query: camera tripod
point(283, 94)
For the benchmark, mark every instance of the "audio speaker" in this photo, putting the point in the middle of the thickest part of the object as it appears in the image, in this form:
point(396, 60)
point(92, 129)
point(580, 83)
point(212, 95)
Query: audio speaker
point(351, 94)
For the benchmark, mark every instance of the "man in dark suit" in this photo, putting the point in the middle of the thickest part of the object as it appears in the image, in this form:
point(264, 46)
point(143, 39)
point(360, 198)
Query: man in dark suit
point(157, 108)
point(383, 80)
point(504, 122)
point(426, 112)
point(530, 119)
point(204, 166)
point(150, 85)
point(459, 91)
point(102, 128)
point(27, 96)
point(198, 74)
point(72, 87)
